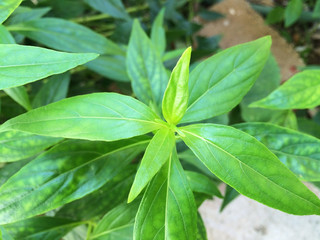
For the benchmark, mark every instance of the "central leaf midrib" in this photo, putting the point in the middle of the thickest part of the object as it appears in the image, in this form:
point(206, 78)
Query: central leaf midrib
point(240, 162)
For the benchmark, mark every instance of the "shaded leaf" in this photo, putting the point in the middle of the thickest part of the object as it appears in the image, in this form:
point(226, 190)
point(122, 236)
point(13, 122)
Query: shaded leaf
point(293, 12)
point(145, 69)
point(158, 34)
point(65, 173)
point(298, 151)
point(15, 145)
point(229, 196)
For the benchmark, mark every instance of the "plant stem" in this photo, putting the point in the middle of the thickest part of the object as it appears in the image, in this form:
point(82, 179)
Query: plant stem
point(106, 16)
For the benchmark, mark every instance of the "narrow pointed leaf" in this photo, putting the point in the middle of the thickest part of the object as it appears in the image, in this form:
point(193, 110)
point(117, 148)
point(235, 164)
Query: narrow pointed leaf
point(65, 173)
point(175, 100)
point(157, 153)
point(145, 69)
point(30, 64)
point(168, 209)
point(97, 116)
point(65, 35)
point(216, 90)
point(299, 92)
point(53, 90)
point(24, 14)
point(7, 7)
point(201, 229)
point(40, 228)
point(113, 8)
point(248, 166)
point(15, 145)
point(298, 151)
point(117, 224)
point(158, 34)
point(229, 196)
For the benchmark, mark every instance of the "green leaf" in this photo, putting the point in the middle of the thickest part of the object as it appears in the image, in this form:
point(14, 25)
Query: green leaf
point(20, 95)
point(201, 230)
point(219, 83)
point(97, 116)
point(40, 228)
point(286, 118)
point(24, 14)
point(24, 64)
point(298, 151)
point(157, 153)
point(175, 100)
point(113, 67)
point(202, 184)
point(53, 90)
point(15, 145)
point(248, 166)
point(168, 209)
point(114, 8)
point(145, 69)
point(65, 173)
point(293, 12)
point(299, 92)
point(64, 35)
point(97, 203)
point(5, 36)
point(4, 235)
point(268, 80)
point(170, 55)
point(117, 224)
point(309, 126)
point(229, 196)
point(275, 15)
point(316, 10)
point(7, 7)
point(158, 34)
point(10, 169)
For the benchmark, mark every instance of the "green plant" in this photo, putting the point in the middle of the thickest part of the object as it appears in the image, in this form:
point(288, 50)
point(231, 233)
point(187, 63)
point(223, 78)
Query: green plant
point(85, 181)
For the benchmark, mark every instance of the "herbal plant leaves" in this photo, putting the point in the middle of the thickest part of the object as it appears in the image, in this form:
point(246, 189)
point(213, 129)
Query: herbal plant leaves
point(249, 167)
point(24, 64)
point(97, 116)
point(219, 83)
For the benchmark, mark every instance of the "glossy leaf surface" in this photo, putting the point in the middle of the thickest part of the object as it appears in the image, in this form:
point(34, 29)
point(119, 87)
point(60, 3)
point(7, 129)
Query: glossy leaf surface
point(168, 209)
point(7, 7)
point(298, 151)
point(15, 145)
point(299, 92)
point(117, 224)
point(145, 69)
point(157, 153)
point(40, 228)
point(24, 64)
point(245, 164)
point(65, 173)
point(175, 100)
point(97, 116)
point(216, 90)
